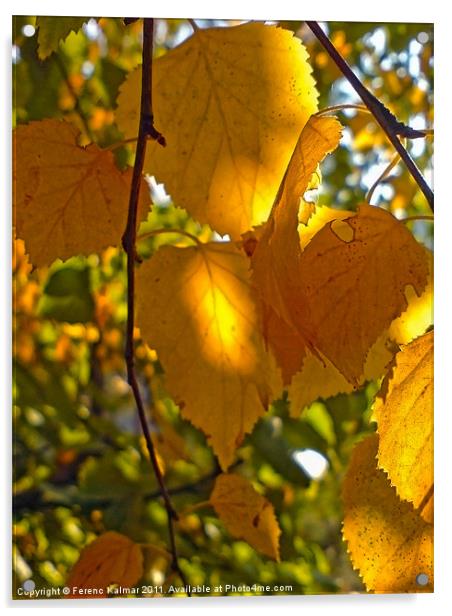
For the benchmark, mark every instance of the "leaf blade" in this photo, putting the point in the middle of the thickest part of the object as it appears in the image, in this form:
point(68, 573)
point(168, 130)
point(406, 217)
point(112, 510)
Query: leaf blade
point(195, 307)
point(52, 30)
point(112, 558)
point(230, 102)
point(68, 199)
point(388, 541)
point(404, 416)
point(246, 514)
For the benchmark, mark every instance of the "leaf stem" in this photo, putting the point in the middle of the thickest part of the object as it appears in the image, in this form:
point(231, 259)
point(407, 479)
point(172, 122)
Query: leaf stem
point(334, 108)
point(176, 231)
point(196, 507)
point(119, 144)
point(388, 122)
point(146, 131)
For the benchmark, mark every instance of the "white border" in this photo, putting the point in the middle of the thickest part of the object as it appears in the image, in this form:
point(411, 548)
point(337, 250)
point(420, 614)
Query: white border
point(330, 10)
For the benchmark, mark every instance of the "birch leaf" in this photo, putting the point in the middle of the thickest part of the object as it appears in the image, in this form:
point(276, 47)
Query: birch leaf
point(68, 199)
point(246, 514)
point(388, 541)
point(319, 378)
point(404, 415)
point(355, 273)
point(52, 30)
point(196, 309)
point(231, 103)
point(110, 559)
point(276, 260)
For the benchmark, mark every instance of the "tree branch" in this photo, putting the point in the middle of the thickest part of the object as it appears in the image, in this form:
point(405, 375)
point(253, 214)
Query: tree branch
point(388, 122)
point(146, 130)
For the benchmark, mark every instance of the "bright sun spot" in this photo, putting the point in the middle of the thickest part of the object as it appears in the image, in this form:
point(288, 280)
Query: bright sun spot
point(312, 462)
point(28, 30)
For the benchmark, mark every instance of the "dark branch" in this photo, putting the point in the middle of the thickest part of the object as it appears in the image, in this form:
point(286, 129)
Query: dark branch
point(146, 130)
point(38, 499)
point(388, 122)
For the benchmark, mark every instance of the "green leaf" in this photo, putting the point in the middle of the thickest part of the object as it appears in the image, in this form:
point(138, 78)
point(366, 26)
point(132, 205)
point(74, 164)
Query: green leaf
point(52, 30)
point(67, 296)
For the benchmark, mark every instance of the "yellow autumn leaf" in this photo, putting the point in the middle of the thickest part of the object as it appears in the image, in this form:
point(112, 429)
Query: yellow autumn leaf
point(287, 345)
point(404, 415)
point(319, 378)
point(318, 219)
point(354, 274)
point(277, 256)
point(246, 514)
point(196, 309)
point(52, 30)
point(231, 103)
point(68, 199)
point(388, 541)
point(110, 559)
point(418, 317)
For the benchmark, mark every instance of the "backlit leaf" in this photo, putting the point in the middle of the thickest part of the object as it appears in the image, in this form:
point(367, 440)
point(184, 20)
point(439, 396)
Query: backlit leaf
point(354, 274)
point(69, 200)
point(319, 378)
point(388, 541)
point(52, 30)
point(404, 415)
point(231, 103)
point(418, 317)
point(246, 514)
point(196, 309)
point(110, 559)
point(276, 260)
point(317, 220)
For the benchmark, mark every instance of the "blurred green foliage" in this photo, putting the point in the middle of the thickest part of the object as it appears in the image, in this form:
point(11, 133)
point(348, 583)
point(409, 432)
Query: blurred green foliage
point(80, 466)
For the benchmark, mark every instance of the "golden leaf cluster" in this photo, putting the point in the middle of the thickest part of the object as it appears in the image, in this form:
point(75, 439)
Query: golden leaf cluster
point(313, 299)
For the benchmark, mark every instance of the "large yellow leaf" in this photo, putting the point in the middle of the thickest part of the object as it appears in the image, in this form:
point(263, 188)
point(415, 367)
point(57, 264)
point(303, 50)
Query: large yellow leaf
point(276, 260)
point(319, 378)
point(388, 541)
point(68, 199)
point(52, 30)
point(404, 415)
point(195, 307)
point(246, 514)
point(110, 559)
point(231, 103)
point(354, 274)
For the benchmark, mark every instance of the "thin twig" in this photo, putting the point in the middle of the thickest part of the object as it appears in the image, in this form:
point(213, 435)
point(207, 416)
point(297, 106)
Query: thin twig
point(388, 122)
point(414, 218)
point(386, 171)
point(146, 130)
point(193, 24)
point(63, 70)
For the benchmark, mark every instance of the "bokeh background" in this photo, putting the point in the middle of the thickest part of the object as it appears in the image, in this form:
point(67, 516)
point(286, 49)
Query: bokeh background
point(79, 462)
